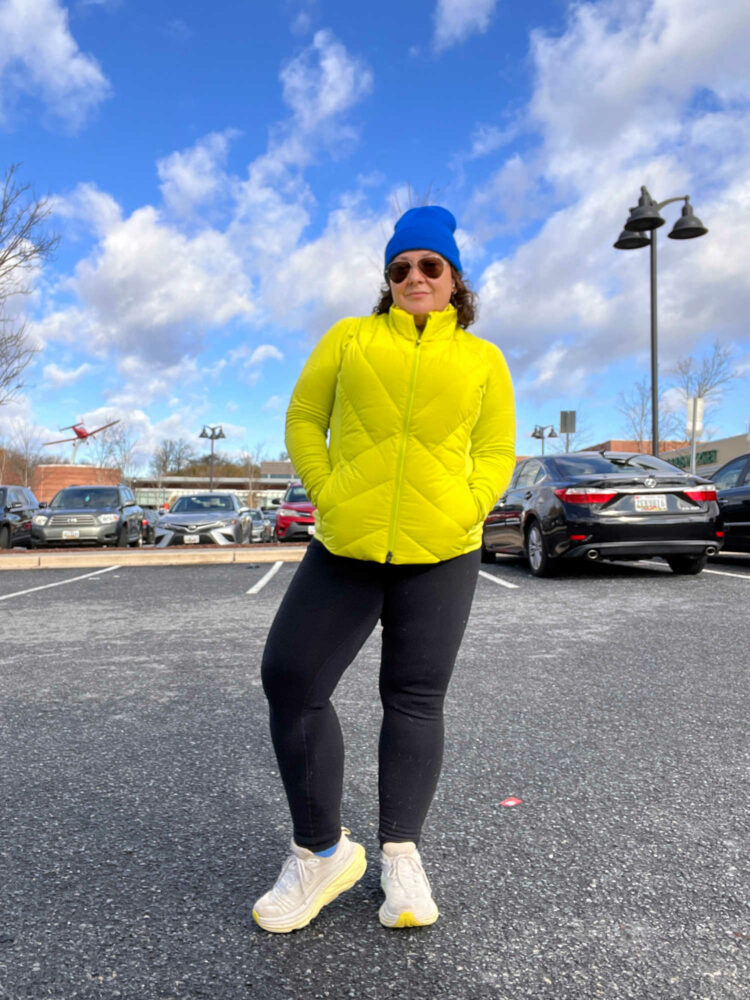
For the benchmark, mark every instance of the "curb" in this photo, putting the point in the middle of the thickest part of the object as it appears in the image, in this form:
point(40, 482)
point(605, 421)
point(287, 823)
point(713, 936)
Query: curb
point(151, 557)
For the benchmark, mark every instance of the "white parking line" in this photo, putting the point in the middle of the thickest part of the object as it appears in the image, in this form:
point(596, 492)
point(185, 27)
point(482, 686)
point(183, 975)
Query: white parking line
point(496, 579)
point(664, 568)
point(60, 583)
point(723, 572)
point(265, 579)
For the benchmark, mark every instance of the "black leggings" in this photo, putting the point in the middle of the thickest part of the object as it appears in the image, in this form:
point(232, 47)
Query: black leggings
point(331, 607)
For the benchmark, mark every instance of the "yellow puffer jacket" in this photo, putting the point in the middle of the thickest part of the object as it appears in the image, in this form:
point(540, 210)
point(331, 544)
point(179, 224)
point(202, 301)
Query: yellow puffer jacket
point(421, 436)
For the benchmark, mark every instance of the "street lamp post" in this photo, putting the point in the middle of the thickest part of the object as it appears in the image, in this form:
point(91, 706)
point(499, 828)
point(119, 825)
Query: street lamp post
point(213, 432)
point(645, 218)
point(539, 430)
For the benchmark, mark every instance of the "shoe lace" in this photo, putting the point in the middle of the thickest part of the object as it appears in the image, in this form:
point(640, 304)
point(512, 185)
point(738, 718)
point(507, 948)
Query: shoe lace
point(408, 872)
point(295, 871)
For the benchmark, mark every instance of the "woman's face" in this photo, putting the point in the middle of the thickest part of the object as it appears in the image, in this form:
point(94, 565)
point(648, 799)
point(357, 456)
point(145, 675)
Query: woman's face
point(418, 294)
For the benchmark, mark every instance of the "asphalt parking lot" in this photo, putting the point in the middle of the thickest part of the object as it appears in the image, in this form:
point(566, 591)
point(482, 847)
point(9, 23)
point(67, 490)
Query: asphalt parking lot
point(142, 813)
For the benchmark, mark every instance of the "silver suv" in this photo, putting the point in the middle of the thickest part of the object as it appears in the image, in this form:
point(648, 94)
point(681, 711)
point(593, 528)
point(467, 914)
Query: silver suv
point(89, 515)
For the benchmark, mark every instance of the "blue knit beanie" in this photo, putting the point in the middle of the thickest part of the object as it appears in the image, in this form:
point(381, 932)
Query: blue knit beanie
point(428, 228)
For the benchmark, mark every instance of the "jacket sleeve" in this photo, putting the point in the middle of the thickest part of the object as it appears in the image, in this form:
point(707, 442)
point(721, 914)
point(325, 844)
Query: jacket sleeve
point(310, 407)
point(493, 437)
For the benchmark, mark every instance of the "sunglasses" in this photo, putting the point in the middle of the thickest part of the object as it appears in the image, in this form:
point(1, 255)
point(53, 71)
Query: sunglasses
point(398, 270)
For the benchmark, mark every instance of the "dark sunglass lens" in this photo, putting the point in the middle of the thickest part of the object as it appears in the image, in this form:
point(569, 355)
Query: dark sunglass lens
point(398, 271)
point(431, 267)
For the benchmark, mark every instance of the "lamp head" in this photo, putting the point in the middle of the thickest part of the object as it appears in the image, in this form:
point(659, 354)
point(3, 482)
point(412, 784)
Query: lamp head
point(688, 226)
point(645, 216)
point(631, 241)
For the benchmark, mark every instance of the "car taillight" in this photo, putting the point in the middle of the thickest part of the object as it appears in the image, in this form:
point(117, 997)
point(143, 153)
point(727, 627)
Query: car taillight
point(702, 493)
point(581, 494)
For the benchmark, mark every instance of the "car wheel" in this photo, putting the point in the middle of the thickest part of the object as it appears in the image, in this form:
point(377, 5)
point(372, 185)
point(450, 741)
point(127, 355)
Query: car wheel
point(686, 565)
point(537, 553)
point(487, 556)
point(122, 538)
point(4, 537)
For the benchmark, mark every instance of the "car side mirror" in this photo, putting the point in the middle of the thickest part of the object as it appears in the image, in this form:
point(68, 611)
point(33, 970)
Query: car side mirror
point(42, 503)
point(276, 502)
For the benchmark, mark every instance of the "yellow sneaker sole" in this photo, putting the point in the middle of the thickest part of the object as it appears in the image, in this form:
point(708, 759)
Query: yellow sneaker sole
point(407, 919)
point(343, 881)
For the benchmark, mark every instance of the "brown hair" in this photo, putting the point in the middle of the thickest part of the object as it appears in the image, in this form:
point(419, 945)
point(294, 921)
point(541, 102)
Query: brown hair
point(464, 299)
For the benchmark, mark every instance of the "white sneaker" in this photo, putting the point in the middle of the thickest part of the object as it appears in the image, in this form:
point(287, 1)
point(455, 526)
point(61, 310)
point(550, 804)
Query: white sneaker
point(306, 883)
point(408, 898)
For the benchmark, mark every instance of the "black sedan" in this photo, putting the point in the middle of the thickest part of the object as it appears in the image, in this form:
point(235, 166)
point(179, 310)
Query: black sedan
point(205, 518)
point(732, 482)
point(604, 505)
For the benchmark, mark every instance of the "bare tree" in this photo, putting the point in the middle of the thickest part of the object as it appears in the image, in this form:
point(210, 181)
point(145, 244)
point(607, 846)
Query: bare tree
point(706, 378)
point(24, 245)
point(635, 406)
point(172, 456)
point(26, 449)
point(123, 443)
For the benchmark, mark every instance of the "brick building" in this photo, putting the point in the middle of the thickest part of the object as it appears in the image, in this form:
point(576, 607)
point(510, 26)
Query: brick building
point(46, 480)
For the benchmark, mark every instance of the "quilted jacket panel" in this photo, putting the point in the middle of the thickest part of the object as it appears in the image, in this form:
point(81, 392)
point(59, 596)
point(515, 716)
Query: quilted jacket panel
point(403, 440)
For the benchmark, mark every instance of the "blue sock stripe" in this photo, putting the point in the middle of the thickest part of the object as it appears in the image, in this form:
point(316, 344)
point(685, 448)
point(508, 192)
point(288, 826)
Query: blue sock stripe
point(327, 852)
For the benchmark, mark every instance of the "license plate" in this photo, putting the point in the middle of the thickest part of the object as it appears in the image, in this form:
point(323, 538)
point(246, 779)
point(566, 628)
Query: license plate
point(650, 501)
point(311, 529)
point(191, 539)
point(71, 534)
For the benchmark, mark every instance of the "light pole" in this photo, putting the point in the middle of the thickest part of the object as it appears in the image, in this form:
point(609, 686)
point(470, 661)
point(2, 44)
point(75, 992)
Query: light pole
point(645, 218)
point(539, 430)
point(213, 432)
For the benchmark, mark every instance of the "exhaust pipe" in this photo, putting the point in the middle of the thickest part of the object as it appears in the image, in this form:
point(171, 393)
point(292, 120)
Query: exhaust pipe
point(592, 554)
point(711, 550)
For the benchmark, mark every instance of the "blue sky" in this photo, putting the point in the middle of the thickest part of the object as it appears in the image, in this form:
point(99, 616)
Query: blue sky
point(225, 176)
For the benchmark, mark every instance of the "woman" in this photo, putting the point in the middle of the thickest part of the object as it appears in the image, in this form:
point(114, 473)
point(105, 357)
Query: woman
point(401, 428)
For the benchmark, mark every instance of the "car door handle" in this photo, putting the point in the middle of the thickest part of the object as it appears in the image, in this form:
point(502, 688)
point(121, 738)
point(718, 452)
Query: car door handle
point(528, 495)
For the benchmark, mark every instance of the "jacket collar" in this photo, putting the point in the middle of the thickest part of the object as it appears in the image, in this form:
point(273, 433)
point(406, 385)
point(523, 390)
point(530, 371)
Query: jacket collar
point(439, 325)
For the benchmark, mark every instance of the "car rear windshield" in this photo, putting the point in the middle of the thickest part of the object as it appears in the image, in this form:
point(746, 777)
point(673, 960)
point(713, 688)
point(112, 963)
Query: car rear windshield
point(595, 465)
point(86, 498)
point(197, 505)
point(296, 494)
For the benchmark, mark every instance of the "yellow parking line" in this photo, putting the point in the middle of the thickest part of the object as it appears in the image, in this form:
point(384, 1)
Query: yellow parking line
point(496, 579)
point(265, 579)
point(60, 583)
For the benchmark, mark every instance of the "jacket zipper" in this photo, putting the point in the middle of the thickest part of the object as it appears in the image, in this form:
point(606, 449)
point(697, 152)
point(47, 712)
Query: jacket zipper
point(402, 453)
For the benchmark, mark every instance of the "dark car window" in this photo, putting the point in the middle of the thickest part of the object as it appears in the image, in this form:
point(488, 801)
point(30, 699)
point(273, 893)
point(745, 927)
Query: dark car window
point(86, 498)
point(296, 494)
point(594, 465)
point(530, 473)
point(730, 474)
point(197, 505)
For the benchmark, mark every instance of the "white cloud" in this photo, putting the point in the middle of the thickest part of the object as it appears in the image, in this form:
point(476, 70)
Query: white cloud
point(151, 291)
point(40, 57)
point(455, 20)
point(59, 377)
point(194, 176)
point(617, 104)
point(96, 209)
point(323, 81)
point(275, 403)
point(264, 352)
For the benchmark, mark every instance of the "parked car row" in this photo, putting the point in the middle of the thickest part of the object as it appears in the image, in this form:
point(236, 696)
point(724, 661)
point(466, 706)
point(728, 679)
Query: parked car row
point(111, 516)
point(578, 505)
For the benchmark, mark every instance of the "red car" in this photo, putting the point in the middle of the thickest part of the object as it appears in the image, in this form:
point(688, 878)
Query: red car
point(294, 520)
